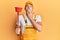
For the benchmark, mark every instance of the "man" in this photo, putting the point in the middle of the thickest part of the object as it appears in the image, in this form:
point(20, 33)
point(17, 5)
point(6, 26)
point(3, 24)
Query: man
point(29, 24)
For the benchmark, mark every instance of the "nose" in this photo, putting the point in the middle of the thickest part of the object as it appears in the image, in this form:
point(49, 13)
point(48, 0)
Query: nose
point(28, 7)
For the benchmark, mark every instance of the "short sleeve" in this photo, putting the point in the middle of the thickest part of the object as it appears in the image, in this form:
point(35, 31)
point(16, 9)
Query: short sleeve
point(20, 21)
point(38, 18)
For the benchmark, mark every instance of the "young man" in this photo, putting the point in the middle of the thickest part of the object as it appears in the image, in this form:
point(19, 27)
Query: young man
point(29, 24)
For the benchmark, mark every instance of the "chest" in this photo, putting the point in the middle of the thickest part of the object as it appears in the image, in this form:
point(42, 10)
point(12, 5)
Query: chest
point(27, 21)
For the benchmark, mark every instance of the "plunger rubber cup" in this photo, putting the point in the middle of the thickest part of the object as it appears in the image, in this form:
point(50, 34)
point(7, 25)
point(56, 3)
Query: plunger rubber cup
point(18, 9)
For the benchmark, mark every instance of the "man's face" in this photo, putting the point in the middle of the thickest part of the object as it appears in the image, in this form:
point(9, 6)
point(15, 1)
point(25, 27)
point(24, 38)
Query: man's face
point(29, 8)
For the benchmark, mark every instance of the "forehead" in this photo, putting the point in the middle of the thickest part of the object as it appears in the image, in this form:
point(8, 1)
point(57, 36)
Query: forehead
point(29, 5)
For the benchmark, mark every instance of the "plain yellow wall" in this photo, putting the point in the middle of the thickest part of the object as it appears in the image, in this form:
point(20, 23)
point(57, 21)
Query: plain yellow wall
point(48, 9)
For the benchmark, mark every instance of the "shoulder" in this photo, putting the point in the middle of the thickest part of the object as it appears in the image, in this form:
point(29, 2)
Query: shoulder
point(38, 18)
point(20, 16)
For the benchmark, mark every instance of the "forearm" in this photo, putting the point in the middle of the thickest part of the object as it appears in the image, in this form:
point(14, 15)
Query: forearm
point(36, 25)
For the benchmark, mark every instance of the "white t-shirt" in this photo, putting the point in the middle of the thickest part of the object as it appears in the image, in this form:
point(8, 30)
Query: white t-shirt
point(22, 21)
point(38, 19)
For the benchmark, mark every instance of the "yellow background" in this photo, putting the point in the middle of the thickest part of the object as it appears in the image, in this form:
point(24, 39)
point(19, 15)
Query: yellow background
point(48, 9)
